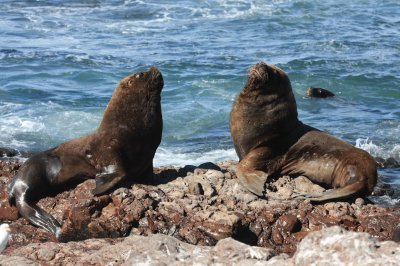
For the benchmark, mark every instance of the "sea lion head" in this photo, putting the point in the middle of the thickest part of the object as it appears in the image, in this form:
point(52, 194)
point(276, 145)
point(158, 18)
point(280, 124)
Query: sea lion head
point(150, 81)
point(135, 98)
point(268, 96)
point(319, 92)
point(267, 79)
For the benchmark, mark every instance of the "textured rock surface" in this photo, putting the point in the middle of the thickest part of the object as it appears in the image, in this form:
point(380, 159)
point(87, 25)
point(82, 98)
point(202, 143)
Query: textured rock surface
point(335, 246)
point(196, 205)
point(154, 250)
point(330, 246)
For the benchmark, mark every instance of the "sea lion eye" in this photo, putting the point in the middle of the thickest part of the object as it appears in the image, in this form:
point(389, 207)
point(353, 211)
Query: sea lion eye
point(139, 75)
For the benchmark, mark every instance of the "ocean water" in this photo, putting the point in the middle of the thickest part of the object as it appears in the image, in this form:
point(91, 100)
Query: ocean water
point(61, 60)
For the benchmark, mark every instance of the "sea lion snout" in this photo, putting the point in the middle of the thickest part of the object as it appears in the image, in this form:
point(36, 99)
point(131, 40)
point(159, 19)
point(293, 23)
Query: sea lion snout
point(259, 72)
point(156, 77)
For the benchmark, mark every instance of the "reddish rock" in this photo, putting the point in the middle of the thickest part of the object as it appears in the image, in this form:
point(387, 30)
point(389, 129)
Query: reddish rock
point(199, 206)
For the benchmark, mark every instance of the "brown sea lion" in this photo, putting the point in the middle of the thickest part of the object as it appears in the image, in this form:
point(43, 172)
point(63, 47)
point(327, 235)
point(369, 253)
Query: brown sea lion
point(122, 146)
point(270, 141)
point(319, 93)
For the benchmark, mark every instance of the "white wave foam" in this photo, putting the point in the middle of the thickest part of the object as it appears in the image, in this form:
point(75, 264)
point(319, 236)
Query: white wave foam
point(166, 157)
point(226, 9)
point(378, 151)
point(13, 124)
point(387, 201)
point(42, 125)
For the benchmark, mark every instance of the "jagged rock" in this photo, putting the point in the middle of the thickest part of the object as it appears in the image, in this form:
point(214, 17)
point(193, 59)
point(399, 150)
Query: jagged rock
point(335, 246)
point(152, 250)
point(330, 246)
point(8, 152)
point(387, 163)
point(198, 206)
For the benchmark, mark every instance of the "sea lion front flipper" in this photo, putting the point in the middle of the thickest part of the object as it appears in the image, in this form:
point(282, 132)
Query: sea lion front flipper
point(253, 180)
point(106, 181)
point(248, 172)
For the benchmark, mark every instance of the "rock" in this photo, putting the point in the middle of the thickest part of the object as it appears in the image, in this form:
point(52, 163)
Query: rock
point(359, 202)
point(16, 260)
point(232, 251)
point(196, 188)
point(209, 165)
point(303, 184)
point(387, 163)
point(396, 233)
point(336, 246)
point(132, 250)
point(382, 189)
point(8, 152)
point(200, 206)
point(329, 246)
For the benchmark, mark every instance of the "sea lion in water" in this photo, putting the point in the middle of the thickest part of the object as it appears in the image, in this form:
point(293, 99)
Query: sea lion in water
point(319, 93)
point(270, 141)
point(123, 145)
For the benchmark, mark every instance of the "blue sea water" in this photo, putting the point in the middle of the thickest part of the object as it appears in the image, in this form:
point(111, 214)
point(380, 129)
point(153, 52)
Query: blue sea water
point(61, 60)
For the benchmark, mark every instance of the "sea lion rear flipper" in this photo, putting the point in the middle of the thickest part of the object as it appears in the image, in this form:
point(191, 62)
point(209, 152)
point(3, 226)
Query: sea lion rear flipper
point(39, 217)
point(105, 182)
point(336, 193)
point(17, 193)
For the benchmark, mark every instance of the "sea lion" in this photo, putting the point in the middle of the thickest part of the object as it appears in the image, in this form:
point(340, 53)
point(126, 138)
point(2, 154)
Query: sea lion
point(270, 141)
point(319, 93)
point(123, 146)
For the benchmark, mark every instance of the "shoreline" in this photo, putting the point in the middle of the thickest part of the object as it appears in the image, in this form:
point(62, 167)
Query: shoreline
point(197, 205)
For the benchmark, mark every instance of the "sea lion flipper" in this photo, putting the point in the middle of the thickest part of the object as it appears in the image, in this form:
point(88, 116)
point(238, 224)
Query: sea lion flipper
point(39, 217)
point(105, 182)
point(336, 193)
point(252, 179)
point(252, 170)
point(18, 192)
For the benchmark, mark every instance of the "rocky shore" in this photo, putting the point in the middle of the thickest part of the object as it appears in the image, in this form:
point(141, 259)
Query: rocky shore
point(200, 214)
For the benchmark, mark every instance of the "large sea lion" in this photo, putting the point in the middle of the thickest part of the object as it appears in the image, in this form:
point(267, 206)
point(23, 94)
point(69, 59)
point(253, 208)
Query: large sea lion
point(270, 141)
point(123, 145)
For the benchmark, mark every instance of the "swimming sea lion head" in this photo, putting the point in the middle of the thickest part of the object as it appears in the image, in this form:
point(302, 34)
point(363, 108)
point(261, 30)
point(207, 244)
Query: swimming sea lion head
point(267, 79)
